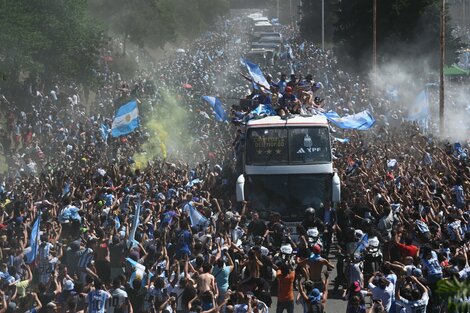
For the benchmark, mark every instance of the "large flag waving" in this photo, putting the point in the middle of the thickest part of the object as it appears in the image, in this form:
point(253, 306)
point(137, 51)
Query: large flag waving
point(420, 109)
point(126, 119)
point(256, 74)
point(360, 121)
point(220, 114)
point(34, 241)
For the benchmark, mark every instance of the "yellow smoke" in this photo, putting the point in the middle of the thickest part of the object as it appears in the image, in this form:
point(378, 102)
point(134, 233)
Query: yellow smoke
point(167, 125)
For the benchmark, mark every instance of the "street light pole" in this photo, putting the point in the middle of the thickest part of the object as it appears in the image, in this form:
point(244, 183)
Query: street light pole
point(441, 69)
point(374, 39)
point(290, 11)
point(278, 11)
point(323, 25)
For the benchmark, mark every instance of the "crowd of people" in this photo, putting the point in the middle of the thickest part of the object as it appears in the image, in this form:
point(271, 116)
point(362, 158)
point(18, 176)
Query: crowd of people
point(116, 237)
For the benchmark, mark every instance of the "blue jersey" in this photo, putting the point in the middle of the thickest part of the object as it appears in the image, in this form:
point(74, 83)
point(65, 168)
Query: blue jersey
point(97, 300)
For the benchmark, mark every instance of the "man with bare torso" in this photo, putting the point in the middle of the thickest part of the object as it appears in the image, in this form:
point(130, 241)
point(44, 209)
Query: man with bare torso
point(206, 281)
point(315, 267)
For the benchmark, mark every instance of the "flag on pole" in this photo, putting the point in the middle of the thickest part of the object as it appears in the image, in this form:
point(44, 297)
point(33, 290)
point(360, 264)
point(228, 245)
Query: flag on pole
point(220, 114)
point(34, 241)
point(126, 119)
point(256, 74)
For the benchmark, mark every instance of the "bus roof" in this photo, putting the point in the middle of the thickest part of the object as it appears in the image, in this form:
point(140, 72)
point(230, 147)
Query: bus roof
point(297, 120)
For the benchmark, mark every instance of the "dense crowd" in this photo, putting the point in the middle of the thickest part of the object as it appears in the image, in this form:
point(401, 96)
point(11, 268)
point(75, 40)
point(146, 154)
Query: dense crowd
point(406, 190)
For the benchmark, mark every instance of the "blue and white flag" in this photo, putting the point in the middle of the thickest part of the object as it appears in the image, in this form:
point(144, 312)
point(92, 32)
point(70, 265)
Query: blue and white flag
point(196, 218)
point(193, 182)
point(302, 46)
point(290, 53)
point(34, 241)
point(256, 74)
point(117, 223)
point(264, 110)
point(342, 140)
point(419, 111)
point(135, 224)
point(362, 244)
point(360, 121)
point(126, 119)
point(220, 114)
point(104, 132)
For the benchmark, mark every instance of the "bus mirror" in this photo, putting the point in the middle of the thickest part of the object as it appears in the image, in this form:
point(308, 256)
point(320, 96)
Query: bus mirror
point(336, 188)
point(240, 188)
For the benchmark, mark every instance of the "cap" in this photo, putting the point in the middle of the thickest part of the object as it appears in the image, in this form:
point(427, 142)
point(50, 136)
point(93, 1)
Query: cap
point(314, 296)
point(68, 285)
point(288, 89)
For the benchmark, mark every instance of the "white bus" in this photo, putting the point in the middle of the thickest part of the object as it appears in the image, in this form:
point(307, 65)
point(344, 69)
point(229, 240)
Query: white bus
point(287, 166)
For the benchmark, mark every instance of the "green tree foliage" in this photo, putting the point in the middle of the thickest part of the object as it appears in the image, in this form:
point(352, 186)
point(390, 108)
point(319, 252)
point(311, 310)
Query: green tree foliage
point(53, 39)
point(152, 23)
point(454, 294)
point(406, 30)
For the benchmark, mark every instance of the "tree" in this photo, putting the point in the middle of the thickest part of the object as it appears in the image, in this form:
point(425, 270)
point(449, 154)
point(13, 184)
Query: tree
point(454, 294)
point(406, 30)
point(153, 23)
point(53, 39)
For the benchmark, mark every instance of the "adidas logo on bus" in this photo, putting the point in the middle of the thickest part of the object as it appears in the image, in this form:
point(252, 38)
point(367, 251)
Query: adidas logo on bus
point(310, 150)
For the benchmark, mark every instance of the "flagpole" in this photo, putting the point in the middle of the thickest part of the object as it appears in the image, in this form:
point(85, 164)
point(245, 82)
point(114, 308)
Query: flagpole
point(441, 68)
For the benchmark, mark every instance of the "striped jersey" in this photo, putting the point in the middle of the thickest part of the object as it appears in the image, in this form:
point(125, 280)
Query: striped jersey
point(96, 301)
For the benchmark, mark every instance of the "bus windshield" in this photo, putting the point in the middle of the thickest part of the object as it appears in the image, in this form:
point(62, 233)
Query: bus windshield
point(288, 146)
point(289, 195)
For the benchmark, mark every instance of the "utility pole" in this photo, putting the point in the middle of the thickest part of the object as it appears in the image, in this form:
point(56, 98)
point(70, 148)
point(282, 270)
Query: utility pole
point(463, 13)
point(441, 69)
point(323, 25)
point(278, 12)
point(374, 40)
point(290, 11)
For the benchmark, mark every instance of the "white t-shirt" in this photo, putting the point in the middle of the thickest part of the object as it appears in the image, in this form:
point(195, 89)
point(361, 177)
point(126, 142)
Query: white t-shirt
point(117, 300)
point(386, 295)
point(418, 306)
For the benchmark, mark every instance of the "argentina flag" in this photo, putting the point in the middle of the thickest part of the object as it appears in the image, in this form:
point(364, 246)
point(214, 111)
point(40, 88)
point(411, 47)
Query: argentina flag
point(256, 74)
point(196, 218)
point(360, 121)
point(126, 119)
point(216, 104)
point(34, 241)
